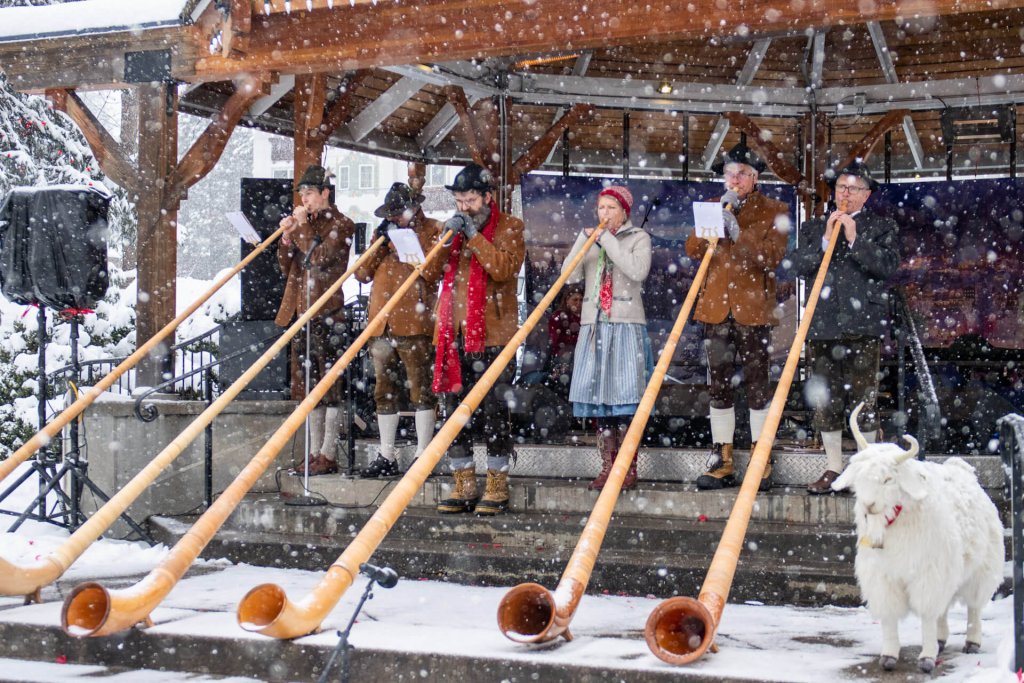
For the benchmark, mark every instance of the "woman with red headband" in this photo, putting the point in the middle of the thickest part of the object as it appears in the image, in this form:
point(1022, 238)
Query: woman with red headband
point(613, 353)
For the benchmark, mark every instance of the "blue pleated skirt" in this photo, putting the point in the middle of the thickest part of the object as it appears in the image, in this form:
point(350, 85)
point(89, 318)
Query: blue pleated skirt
point(613, 363)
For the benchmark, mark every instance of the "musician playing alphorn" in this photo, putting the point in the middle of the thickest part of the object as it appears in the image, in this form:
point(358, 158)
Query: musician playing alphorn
point(852, 316)
point(737, 307)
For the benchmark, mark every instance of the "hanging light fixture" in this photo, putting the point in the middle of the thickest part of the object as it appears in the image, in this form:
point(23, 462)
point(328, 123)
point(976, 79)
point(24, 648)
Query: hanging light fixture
point(665, 87)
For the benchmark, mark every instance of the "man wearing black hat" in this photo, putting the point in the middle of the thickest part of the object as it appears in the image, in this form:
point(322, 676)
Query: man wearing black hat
point(737, 307)
point(852, 314)
point(313, 254)
point(477, 314)
point(406, 336)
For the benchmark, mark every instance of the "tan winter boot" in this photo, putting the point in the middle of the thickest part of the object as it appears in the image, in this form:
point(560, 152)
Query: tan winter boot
point(464, 496)
point(721, 474)
point(495, 500)
point(607, 448)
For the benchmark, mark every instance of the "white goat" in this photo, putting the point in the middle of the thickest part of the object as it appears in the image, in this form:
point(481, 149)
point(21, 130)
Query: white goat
point(929, 536)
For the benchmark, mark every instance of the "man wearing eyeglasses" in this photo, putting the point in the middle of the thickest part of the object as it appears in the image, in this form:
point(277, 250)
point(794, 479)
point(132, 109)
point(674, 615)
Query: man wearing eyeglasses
point(737, 307)
point(852, 315)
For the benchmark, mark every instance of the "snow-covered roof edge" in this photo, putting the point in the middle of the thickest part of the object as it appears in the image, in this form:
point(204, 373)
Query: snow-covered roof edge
point(88, 17)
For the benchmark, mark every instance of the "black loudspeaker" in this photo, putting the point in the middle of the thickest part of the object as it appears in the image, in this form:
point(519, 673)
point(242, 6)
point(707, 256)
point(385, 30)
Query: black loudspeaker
point(53, 246)
point(265, 201)
point(250, 338)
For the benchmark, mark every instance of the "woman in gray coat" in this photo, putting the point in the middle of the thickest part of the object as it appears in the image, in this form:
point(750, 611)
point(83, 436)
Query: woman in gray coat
point(613, 359)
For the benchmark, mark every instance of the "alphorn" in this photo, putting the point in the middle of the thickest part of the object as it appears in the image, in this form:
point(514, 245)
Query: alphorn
point(681, 629)
point(44, 435)
point(529, 613)
point(92, 610)
point(266, 608)
point(26, 580)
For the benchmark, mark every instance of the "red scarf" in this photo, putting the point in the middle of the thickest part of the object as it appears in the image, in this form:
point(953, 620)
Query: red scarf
point(447, 364)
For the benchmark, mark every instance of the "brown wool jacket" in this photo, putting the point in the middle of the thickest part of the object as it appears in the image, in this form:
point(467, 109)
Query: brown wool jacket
point(414, 314)
point(741, 277)
point(501, 259)
point(328, 262)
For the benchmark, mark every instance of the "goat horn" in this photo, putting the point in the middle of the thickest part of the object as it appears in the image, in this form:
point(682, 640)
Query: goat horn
point(911, 452)
point(862, 443)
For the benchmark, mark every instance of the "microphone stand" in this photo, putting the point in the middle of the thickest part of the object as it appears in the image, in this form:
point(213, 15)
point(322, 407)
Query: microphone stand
point(344, 648)
point(306, 500)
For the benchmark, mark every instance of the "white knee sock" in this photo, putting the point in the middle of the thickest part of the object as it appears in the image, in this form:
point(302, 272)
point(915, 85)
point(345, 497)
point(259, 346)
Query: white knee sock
point(833, 442)
point(388, 427)
point(872, 436)
point(757, 419)
point(316, 429)
point(332, 427)
point(424, 429)
point(723, 424)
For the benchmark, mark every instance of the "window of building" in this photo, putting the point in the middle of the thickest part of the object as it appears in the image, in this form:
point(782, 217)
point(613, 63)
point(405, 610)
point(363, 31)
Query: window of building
point(436, 175)
point(343, 178)
point(366, 177)
point(282, 173)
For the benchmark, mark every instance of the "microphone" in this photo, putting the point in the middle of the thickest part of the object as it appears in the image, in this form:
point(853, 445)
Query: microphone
point(386, 577)
point(317, 241)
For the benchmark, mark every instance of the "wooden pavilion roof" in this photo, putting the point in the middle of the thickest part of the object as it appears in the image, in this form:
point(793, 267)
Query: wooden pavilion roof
point(394, 63)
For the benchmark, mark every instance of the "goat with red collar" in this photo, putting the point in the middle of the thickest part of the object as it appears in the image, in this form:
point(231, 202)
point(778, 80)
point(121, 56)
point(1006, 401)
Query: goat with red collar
point(929, 537)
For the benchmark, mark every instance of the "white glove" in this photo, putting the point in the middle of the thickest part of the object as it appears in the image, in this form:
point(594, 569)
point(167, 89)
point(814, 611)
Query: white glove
point(732, 226)
point(730, 197)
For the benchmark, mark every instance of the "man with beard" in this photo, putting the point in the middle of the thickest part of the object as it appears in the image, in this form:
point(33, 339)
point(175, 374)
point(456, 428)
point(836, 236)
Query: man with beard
point(477, 315)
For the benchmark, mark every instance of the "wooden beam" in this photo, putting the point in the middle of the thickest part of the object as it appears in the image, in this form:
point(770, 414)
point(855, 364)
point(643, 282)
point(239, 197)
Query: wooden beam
point(108, 151)
point(539, 151)
point(206, 150)
point(386, 104)
point(236, 28)
point(863, 148)
point(157, 233)
point(771, 154)
point(340, 109)
point(457, 98)
point(310, 95)
point(889, 71)
point(745, 77)
point(365, 36)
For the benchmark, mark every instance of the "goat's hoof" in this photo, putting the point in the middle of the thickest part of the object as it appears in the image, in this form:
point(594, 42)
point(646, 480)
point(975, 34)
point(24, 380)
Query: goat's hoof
point(888, 663)
point(942, 646)
point(926, 664)
point(972, 648)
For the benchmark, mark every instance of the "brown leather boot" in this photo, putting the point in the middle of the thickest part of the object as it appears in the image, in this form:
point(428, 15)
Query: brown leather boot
point(495, 500)
point(607, 448)
point(464, 496)
point(722, 473)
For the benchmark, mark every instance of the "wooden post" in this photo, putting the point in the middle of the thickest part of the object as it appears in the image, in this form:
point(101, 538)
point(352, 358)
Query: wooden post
point(158, 216)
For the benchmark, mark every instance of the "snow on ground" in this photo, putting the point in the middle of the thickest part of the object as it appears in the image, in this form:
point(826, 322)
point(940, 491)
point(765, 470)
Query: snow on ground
point(778, 643)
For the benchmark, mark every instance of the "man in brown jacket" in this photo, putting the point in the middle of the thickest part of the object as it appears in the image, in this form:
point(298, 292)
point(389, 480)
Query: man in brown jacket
point(477, 314)
point(313, 254)
point(406, 335)
point(737, 307)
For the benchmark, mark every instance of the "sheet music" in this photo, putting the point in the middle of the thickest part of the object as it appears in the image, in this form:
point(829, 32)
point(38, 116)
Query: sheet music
point(407, 245)
point(243, 227)
point(707, 220)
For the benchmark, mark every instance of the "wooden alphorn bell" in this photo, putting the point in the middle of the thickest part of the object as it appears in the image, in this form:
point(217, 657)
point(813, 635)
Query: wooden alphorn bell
point(266, 608)
point(680, 629)
point(529, 613)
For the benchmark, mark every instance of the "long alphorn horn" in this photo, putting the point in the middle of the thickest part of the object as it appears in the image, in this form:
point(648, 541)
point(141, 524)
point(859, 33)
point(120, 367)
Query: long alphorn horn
point(266, 608)
point(44, 435)
point(681, 629)
point(92, 610)
point(529, 613)
point(25, 580)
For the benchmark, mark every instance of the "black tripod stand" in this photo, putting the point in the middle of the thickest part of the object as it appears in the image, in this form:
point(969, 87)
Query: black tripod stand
point(385, 577)
point(50, 466)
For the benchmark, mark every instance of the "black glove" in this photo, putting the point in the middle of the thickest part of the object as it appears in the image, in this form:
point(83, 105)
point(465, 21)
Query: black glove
point(382, 229)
